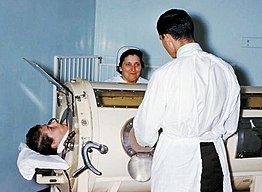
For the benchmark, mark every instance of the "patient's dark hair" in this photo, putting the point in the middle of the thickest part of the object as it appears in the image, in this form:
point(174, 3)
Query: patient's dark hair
point(39, 142)
point(127, 53)
point(177, 23)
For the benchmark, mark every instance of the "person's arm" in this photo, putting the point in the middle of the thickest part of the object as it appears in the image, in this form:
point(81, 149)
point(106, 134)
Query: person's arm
point(232, 122)
point(149, 117)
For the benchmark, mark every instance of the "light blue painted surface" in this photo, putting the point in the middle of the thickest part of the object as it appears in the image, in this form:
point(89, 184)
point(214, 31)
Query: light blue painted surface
point(220, 26)
point(38, 30)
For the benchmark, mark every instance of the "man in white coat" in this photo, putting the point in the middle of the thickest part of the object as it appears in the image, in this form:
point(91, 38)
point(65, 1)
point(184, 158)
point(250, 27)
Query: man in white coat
point(195, 99)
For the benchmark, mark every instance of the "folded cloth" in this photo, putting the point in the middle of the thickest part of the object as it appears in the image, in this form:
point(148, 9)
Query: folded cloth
point(28, 160)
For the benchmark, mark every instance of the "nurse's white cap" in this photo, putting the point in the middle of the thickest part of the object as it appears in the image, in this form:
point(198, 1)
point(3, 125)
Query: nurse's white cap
point(121, 51)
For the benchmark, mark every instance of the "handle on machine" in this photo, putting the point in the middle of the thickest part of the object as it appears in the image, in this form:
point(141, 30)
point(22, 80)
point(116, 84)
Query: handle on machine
point(87, 148)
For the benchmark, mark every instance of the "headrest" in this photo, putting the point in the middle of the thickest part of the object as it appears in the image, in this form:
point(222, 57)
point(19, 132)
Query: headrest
point(28, 160)
point(121, 51)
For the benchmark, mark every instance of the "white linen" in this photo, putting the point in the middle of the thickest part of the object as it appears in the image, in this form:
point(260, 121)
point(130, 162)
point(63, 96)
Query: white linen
point(119, 79)
point(61, 146)
point(28, 160)
point(194, 98)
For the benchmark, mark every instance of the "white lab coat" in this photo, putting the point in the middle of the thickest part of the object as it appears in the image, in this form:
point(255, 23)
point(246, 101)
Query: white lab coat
point(119, 79)
point(194, 98)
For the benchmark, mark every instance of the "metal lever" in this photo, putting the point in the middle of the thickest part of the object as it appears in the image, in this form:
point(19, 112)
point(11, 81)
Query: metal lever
point(87, 148)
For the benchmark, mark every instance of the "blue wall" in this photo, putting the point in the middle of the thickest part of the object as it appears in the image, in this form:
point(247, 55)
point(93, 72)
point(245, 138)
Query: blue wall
point(36, 30)
point(39, 30)
point(220, 26)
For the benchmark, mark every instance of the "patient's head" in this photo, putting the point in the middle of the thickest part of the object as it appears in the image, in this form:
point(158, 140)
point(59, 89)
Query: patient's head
point(46, 138)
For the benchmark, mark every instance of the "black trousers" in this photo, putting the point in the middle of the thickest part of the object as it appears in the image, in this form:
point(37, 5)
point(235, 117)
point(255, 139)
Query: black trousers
point(212, 175)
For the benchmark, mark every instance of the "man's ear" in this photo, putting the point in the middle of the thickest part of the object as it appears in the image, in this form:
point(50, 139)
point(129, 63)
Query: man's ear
point(120, 68)
point(54, 145)
point(169, 40)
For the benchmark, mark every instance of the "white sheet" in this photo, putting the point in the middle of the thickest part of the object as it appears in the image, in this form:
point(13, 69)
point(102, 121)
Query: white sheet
point(28, 160)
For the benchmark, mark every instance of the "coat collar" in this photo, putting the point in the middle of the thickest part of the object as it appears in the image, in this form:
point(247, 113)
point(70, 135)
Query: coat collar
point(188, 48)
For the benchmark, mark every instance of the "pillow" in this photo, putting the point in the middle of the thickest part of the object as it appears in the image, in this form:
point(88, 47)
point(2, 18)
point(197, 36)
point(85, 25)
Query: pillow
point(28, 160)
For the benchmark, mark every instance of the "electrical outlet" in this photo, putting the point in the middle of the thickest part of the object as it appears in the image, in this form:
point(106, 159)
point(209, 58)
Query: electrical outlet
point(252, 42)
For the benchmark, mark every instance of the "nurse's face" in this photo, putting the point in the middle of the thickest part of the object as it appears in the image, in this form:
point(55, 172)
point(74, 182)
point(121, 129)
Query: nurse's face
point(131, 68)
point(56, 131)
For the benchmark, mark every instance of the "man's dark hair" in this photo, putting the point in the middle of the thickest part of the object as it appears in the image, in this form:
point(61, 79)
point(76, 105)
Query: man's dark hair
point(177, 23)
point(39, 142)
point(130, 52)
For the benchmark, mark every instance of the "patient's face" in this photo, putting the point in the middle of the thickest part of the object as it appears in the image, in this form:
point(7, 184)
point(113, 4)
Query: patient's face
point(56, 131)
point(131, 68)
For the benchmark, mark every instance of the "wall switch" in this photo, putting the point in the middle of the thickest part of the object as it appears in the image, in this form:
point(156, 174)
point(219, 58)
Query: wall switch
point(252, 42)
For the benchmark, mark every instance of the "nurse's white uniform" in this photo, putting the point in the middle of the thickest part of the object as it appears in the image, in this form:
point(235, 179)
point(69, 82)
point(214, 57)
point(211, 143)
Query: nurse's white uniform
point(119, 79)
point(194, 98)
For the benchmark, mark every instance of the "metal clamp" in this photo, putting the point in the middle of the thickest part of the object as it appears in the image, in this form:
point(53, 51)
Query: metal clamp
point(87, 148)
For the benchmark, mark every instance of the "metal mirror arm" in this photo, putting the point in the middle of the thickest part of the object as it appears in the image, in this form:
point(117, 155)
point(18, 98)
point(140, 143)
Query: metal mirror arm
point(69, 97)
point(87, 148)
point(60, 87)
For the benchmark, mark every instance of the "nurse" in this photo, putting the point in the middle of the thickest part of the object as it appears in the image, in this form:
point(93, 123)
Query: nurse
point(129, 65)
point(194, 98)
